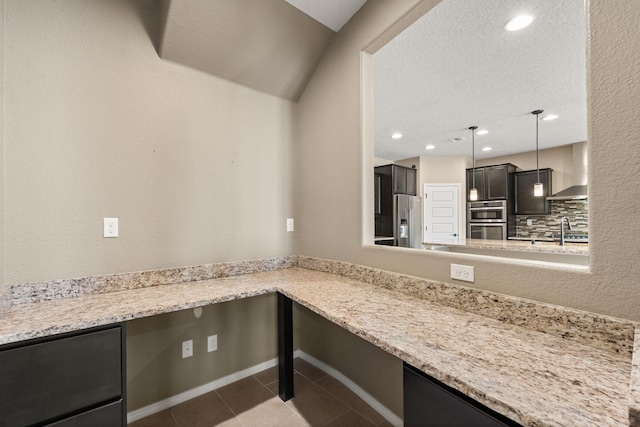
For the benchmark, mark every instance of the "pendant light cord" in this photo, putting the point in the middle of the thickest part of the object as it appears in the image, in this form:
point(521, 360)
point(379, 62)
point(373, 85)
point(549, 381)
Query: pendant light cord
point(537, 150)
point(537, 113)
point(473, 152)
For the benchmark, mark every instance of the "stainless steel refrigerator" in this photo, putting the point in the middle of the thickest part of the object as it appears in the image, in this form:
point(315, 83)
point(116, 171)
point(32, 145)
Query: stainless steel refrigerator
point(407, 221)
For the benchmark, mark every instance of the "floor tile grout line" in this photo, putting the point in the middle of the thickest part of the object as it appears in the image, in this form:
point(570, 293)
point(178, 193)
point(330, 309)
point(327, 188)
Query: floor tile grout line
point(227, 405)
point(349, 406)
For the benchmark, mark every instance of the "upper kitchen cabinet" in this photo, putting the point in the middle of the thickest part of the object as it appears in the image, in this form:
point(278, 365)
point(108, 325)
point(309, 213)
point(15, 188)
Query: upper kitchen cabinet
point(526, 202)
point(402, 178)
point(492, 182)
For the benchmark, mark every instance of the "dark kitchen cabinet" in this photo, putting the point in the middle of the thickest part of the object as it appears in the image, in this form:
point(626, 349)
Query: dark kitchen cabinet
point(67, 380)
point(526, 202)
point(492, 182)
point(390, 180)
point(428, 402)
point(377, 196)
point(404, 180)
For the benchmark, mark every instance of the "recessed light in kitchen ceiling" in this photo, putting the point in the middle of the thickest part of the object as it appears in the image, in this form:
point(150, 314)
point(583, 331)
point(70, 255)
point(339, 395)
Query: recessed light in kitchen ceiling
point(550, 117)
point(482, 132)
point(456, 139)
point(396, 135)
point(430, 147)
point(518, 23)
point(487, 148)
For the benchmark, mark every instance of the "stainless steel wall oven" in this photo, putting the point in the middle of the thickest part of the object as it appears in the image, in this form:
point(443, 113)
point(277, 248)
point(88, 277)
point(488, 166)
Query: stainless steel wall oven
point(487, 220)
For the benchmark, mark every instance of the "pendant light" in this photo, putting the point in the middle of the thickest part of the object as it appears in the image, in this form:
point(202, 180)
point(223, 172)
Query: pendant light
point(473, 193)
point(538, 188)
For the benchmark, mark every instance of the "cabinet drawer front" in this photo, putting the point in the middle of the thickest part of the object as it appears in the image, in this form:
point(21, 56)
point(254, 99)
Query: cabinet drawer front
point(105, 416)
point(52, 378)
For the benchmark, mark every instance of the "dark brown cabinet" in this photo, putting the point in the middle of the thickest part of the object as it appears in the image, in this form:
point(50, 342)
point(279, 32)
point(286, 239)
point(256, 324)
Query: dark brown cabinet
point(526, 202)
point(404, 179)
point(492, 182)
point(390, 180)
point(65, 380)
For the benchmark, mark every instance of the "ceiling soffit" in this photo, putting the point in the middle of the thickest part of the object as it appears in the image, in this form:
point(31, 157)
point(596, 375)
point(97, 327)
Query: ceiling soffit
point(267, 45)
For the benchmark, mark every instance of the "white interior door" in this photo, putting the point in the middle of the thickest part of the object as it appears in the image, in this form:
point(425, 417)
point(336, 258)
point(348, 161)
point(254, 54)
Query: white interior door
point(442, 213)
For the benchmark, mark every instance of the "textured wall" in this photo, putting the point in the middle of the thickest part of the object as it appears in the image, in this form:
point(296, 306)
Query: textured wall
point(336, 155)
point(197, 169)
point(247, 336)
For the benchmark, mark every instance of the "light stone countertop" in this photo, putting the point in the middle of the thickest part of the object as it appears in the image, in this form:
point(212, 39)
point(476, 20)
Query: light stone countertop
point(532, 377)
point(521, 245)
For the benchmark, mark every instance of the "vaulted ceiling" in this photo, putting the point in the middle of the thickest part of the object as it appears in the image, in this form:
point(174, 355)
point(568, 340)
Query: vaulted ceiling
point(268, 45)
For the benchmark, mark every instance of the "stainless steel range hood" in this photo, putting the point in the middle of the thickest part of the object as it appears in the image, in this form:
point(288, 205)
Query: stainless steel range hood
point(575, 192)
point(578, 191)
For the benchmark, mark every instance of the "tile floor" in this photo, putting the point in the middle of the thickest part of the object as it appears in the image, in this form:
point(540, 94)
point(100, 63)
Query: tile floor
point(320, 400)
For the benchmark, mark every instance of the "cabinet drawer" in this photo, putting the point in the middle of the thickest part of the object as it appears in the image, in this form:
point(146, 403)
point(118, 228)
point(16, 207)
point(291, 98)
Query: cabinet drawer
point(61, 375)
point(105, 416)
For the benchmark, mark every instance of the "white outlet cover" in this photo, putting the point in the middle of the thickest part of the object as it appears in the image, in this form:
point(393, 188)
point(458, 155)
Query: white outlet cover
point(290, 225)
point(212, 343)
point(110, 227)
point(187, 349)
point(462, 272)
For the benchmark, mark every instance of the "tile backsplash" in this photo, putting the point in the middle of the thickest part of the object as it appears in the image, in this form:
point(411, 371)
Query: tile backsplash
point(548, 225)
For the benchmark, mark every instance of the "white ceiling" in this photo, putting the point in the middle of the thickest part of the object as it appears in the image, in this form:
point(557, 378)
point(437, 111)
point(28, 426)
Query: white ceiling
point(457, 67)
point(331, 13)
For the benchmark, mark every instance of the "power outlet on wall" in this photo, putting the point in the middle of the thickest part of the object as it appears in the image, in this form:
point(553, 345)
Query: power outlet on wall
point(187, 349)
point(212, 343)
point(462, 272)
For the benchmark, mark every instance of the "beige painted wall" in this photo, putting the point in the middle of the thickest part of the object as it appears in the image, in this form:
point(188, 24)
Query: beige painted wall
point(2, 153)
point(337, 194)
point(197, 169)
point(373, 369)
point(247, 336)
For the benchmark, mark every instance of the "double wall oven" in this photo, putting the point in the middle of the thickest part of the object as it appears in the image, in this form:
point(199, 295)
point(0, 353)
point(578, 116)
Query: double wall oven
point(487, 220)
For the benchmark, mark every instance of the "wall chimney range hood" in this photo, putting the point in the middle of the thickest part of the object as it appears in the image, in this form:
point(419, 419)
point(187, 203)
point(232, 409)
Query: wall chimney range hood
point(578, 191)
point(575, 192)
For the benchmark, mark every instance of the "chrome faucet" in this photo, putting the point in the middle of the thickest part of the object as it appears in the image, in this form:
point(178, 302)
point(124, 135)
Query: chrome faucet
point(562, 221)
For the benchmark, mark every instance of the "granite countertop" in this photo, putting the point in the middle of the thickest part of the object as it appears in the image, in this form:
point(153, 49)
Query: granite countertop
point(521, 245)
point(532, 377)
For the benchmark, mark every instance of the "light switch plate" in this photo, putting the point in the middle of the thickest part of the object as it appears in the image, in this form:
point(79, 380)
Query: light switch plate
point(290, 224)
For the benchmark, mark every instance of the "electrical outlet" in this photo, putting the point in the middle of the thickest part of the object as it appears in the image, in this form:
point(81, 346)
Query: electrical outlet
point(110, 227)
point(212, 343)
point(529, 221)
point(187, 349)
point(289, 224)
point(462, 272)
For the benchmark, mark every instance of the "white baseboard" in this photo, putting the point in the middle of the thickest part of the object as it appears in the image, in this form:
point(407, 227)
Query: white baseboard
point(198, 391)
point(237, 376)
point(388, 414)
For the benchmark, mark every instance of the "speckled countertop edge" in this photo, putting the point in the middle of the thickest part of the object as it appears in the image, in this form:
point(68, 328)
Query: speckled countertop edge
point(534, 378)
point(634, 387)
point(521, 246)
point(599, 331)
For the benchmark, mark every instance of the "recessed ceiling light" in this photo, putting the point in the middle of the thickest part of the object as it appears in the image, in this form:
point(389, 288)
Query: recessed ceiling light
point(430, 147)
point(396, 135)
point(487, 148)
point(518, 23)
point(456, 139)
point(482, 132)
point(550, 117)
